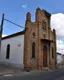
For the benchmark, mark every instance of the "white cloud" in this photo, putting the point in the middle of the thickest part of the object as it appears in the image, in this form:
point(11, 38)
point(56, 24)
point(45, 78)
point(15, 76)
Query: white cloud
point(24, 6)
point(4, 35)
point(60, 46)
point(57, 22)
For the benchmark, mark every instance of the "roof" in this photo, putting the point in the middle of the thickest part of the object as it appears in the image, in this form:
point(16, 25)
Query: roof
point(13, 35)
point(59, 53)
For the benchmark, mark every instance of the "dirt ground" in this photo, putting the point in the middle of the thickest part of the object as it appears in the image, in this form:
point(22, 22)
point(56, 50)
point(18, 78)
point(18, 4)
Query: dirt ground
point(9, 69)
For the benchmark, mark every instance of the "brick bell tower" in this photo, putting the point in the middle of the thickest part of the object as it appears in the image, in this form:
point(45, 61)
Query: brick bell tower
point(39, 42)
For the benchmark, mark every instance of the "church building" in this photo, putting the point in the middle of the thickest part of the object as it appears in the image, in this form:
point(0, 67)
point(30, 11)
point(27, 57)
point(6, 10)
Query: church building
point(33, 48)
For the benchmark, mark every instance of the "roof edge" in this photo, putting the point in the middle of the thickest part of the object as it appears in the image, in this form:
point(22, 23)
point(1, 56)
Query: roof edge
point(13, 35)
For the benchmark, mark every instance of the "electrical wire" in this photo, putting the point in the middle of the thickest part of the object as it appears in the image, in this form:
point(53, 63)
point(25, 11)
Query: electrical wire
point(13, 23)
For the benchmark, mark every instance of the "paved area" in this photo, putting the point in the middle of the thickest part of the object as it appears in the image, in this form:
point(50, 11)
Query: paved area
point(13, 74)
point(51, 75)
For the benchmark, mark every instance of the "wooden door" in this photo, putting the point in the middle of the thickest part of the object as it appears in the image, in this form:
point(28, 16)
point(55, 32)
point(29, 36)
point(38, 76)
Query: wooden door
point(45, 56)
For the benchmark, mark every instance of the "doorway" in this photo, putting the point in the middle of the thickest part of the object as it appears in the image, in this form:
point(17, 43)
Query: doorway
point(45, 56)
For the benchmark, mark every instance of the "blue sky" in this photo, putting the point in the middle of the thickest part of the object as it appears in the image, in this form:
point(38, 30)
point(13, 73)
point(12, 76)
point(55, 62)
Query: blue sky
point(15, 10)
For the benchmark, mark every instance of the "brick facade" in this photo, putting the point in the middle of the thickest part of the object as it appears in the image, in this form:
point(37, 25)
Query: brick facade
point(39, 32)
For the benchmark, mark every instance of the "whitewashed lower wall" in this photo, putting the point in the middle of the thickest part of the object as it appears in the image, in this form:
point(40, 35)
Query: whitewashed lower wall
point(16, 51)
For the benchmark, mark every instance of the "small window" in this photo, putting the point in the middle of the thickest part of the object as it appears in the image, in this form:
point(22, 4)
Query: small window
point(52, 53)
point(33, 50)
point(8, 51)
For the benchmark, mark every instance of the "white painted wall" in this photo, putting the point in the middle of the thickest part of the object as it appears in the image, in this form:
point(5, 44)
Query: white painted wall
point(16, 51)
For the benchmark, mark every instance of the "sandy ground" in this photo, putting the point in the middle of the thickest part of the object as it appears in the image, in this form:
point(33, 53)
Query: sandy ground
point(9, 69)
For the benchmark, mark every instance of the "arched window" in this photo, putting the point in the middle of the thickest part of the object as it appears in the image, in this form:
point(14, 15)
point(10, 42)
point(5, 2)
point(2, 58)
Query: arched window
point(33, 34)
point(52, 53)
point(44, 36)
point(44, 25)
point(33, 50)
point(8, 51)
